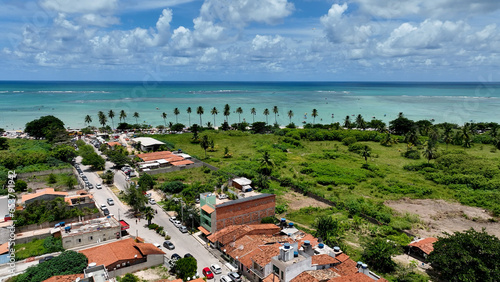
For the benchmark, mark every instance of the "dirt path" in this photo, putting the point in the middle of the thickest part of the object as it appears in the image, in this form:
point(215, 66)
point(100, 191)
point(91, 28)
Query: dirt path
point(296, 201)
point(440, 216)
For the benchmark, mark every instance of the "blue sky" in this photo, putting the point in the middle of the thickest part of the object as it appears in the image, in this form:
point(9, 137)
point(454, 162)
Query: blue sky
point(323, 40)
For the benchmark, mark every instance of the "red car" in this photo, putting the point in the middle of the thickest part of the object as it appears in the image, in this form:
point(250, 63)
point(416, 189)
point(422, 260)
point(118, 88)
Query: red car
point(208, 273)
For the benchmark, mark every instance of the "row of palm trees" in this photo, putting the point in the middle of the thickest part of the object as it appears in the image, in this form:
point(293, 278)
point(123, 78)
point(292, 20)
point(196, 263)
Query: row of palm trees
point(103, 118)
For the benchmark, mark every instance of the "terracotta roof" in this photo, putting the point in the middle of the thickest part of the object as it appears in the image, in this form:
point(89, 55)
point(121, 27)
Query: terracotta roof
point(183, 162)
point(308, 237)
point(246, 259)
point(271, 278)
point(112, 144)
point(323, 259)
point(154, 156)
point(68, 199)
point(264, 257)
point(341, 257)
point(356, 277)
point(347, 267)
point(203, 230)
point(4, 248)
point(64, 278)
point(304, 277)
point(228, 234)
point(109, 254)
point(40, 192)
point(208, 209)
point(426, 245)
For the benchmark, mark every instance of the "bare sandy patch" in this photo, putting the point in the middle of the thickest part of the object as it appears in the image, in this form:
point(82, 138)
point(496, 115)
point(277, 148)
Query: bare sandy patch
point(440, 216)
point(296, 201)
point(153, 274)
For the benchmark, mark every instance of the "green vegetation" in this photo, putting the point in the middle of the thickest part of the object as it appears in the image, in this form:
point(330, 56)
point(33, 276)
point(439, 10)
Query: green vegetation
point(68, 262)
point(129, 277)
point(466, 256)
point(185, 267)
point(46, 211)
point(38, 247)
point(47, 127)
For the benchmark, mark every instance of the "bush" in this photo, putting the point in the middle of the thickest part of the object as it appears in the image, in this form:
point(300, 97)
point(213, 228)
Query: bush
point(358, 148)
point(349, 141)
point(412, 154)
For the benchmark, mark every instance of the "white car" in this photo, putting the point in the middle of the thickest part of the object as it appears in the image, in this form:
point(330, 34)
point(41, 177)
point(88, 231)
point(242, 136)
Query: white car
point(103, 206)
point(216, 268)
point(222, 196)
point(225, 278)
point(152, 202)
point(98, 186)
point(177, 223)
point(172, 219)
point(110, 202)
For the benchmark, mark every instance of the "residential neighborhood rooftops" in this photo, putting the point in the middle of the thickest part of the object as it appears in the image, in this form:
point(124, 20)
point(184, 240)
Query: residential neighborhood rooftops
point(154, 156)
point(65, 278)
point(182, 162)
point(426, 245)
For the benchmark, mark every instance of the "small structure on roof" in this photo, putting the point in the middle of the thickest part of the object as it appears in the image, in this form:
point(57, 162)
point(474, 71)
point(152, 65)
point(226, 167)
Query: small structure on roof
point(242, 183)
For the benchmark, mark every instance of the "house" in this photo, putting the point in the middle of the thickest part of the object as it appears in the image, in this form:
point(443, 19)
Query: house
point(83, 200)
point(113, 144)
point(422, 247)
point(249, 210)
point(90, 274)
point(4, 208)
point(4, 253)
point(125, 256)
point(161, 159)
point(88, 232)
point(147, 143)
point(66, 278)
point(242, 183)
point(46, 194)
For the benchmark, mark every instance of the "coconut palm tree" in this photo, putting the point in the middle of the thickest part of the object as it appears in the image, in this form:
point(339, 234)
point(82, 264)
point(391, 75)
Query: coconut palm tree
point(366, 153)
point(123, 115)
point(227, 112)
point(176, 113)
point(200, 111)
point(266, 164)
point(111, 115)
point(239, 111)
point(149, 213)
point(347, 122)
point(136, 115)
point(214, 112)
point(360, 122)
point(253, 112)
point(266, 113)
point(290, 115)
point(164, 116)
point(314, 115)
point(188, 110)
point(88, 120)
point(275, 111)
point(102, 118)
point(429, 151)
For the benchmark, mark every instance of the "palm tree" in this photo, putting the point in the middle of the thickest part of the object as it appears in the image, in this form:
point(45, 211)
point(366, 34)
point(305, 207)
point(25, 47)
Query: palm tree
point(102, 118)
point(366, 153)
point(176, 113)
point(111, 115)
point(188, 110)
point(214, 112)
point(136, 115)
point(123, 115)
point(347, 122)
point(388, 141)
point(266, 113)
point(227, 111)
point(239, 111)
point(360, 122)
point(467, 135)
point(275, 111)
point(149, 213)
point(429, 151)
point(164, 116)
point(266, 164)
point(200, 111)
point(290, 115)
point(314, 115)
point(253, 112)
point(88, 120)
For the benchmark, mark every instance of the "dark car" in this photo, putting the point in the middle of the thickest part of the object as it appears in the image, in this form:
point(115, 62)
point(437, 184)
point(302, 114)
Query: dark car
point(175, 257)
point(47, 258)
point(188, 255)
point(234, 276)
point(167, 244)
point(105, 211)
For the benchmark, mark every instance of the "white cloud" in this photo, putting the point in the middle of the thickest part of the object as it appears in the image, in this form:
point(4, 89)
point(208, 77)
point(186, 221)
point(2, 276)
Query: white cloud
point(97, 20)
point(79, 6)
point(243, 12)
point(207, 33)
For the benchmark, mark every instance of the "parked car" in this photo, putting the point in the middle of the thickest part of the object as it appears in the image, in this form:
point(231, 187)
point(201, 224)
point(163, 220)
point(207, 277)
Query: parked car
point(175, 257)
point(183, 229)
point(208, 273)
point(177, 223)
point(225, 278)
point(234, 276)
point(172, 219)
point(167, 244)
point(222, 196)
point(90, 186)
point(152, 202)
point(216, 268)
point(105, 211)
point(110, 202)
point(103, 206)
point(47, 258)
point(98, 186)
point(84, 178)
point(188, 255)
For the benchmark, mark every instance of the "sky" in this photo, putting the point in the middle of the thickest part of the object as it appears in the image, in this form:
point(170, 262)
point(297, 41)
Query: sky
point(250, 40)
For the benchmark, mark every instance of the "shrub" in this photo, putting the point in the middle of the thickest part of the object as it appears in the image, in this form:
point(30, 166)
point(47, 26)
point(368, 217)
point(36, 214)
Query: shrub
point(411, 154)
point(358, 148)
point(349, 141)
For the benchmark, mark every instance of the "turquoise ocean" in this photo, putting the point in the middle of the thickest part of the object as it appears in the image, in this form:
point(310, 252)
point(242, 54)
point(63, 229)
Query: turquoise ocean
point(23, 101)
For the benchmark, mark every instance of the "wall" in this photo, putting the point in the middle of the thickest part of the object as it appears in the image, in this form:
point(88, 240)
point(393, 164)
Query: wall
point(46, 197)
point(28, 239)
point(45, 172)
point(32, 227)
point(152, 260)
point(248, 212)
point(87, 238)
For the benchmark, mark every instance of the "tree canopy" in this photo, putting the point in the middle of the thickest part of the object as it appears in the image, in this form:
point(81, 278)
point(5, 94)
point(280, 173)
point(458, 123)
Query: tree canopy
point(467, 256)
point(377, 254)
point(48, 127)
point(186, 267)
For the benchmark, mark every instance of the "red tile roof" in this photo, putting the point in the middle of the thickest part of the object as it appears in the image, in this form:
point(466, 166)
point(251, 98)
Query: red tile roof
point(203, 230)
point(112, 144)
point(342, 257)
point(64, 278)
point(126, 249)
point(4, 248)
point(40, 192)
point(426, 245)
point(181, 162)
point(356, 277)
point(304, 277)
point(323, 259)
point(347, 267)
point(267, 252)
point(154, 156)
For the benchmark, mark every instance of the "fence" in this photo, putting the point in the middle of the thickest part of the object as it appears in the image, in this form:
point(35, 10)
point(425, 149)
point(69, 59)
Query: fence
point(45, 172)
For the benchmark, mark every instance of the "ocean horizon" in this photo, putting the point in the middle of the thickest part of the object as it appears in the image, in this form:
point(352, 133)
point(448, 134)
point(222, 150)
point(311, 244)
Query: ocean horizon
point(71, 101)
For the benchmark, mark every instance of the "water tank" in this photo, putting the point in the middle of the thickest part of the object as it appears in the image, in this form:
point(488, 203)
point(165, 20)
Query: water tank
point(336, 249)
point(290, 224)
point(307, 243)
point(287, 246)
point(321, 245)
point(364, 266)
point(295, 254)
point(359, 264)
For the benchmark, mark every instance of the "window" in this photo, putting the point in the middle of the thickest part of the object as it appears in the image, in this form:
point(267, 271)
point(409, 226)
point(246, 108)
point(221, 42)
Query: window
point(282, 275)
point(91, 238)
point(79, 240)
point(123, 264)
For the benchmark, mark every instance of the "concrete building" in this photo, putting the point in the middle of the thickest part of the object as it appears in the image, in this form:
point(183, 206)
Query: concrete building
point(88, 232)
point(156, 160)
point(46, 194)
point(147, 143)
point(241, 183)
point(125, 256)
point(4, 208)
point(249, 210)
